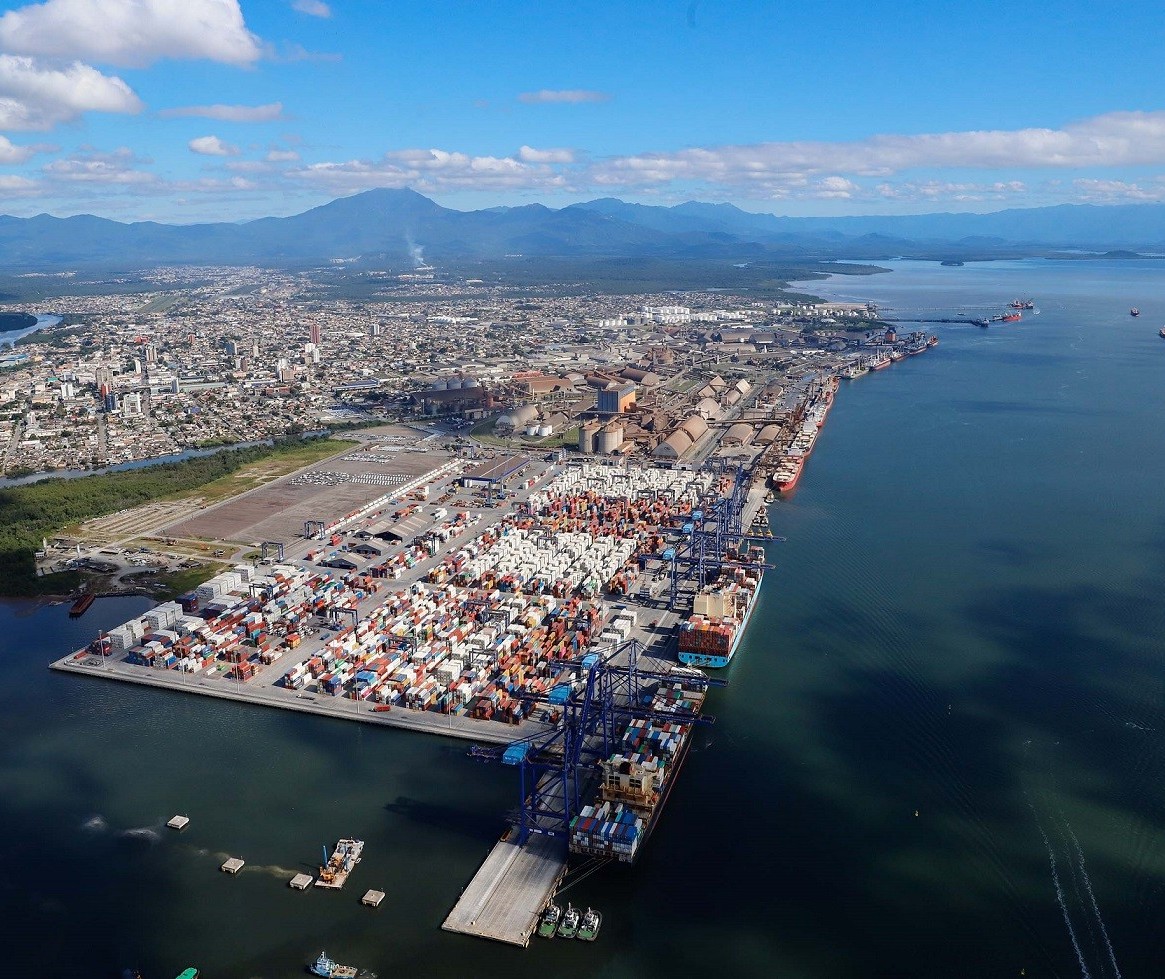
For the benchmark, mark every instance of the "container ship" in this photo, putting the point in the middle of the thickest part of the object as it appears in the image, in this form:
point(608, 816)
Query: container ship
point(720, 614)
point(638, 776)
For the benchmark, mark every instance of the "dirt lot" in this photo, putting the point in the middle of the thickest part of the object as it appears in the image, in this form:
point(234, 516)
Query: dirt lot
point(277, 511)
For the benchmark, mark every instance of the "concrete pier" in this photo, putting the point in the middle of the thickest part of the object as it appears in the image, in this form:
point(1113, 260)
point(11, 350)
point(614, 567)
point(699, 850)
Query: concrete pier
point(508, 893)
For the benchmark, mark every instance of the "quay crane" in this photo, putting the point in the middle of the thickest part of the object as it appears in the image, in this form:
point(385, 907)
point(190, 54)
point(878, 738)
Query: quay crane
point(555, 766)
point(712, 536)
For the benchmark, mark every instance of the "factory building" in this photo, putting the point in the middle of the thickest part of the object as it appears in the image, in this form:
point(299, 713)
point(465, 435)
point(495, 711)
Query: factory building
point(466, 402)
point(616, 398)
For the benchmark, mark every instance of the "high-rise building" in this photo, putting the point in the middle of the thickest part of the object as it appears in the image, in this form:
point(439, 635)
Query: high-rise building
point(315, 333)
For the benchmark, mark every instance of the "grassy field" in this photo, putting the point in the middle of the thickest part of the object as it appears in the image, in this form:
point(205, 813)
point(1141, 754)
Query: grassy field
point(28, 513)
point(265, 470)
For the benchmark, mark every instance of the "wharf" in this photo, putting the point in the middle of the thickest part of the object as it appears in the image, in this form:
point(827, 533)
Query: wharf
point(508, 893)
point(423, 722)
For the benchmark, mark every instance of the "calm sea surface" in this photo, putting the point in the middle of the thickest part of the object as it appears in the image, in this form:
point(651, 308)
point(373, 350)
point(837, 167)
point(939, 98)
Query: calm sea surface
point(942, 752)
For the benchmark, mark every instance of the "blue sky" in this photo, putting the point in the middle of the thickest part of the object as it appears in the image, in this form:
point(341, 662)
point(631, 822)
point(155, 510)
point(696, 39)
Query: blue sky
point(193, 110)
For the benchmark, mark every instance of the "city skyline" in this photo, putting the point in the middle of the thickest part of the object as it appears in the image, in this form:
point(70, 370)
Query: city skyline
point(224, 110)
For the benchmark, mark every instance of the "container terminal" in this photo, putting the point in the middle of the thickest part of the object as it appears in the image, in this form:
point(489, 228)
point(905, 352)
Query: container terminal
point(538, 608)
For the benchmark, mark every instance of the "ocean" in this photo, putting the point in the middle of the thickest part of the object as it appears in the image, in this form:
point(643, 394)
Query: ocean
point(940, 751)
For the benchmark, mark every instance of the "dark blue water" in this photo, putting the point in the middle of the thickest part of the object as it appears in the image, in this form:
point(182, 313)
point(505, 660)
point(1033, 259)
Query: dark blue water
point(940, 753)
point(43, 321)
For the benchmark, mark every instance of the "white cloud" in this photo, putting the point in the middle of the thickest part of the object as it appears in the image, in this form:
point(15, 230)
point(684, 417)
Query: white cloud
point(572, 95)
point(131, 33)
point(227, 113)
point(281, 156)
point(116, 168)
point(1119, 191)
point(431, 170)
point(313, 8)
point(212, 146)
point(528, 154)
point(835, 188)
point(17, 186)
point(10, 153)
point(35, 97)
point(1114, 139)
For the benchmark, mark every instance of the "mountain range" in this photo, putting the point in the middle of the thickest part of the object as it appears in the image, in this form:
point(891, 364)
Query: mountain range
point(396, 226)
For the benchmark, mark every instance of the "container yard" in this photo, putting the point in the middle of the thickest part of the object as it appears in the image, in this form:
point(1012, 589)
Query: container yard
point(546, 626)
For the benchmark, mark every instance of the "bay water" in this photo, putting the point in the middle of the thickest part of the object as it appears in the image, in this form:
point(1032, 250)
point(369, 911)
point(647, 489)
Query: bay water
point(941, 751)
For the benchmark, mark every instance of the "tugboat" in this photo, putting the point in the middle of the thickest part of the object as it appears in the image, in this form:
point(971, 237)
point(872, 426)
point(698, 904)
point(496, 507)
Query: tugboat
point(330, 969)
point(568, 927)
point(592, 921)
point(1134, 311)
point(548, 924)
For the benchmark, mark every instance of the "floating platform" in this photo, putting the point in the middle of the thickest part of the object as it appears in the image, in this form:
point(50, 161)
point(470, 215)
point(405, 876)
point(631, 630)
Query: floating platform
point(301, 882)
point(233, 865)
point(372, 898)
point(334, 873)
point(178, 822)
point(508, 893)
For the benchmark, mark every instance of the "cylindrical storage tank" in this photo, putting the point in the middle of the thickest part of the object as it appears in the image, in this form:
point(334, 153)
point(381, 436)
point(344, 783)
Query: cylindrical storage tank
point(609, 439)
point(472, 382)
point(545, 430)
point(531, 429)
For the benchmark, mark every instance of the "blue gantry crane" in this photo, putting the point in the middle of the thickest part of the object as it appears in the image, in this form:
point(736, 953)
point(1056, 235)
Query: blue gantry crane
point(595, 695)
point(714, 536)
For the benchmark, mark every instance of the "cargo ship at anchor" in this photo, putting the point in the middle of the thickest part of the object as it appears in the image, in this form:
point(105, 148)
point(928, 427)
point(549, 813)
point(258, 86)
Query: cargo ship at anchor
point(720, 616)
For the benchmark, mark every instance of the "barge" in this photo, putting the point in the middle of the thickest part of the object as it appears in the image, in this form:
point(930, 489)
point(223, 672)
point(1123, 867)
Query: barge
point(336, 868)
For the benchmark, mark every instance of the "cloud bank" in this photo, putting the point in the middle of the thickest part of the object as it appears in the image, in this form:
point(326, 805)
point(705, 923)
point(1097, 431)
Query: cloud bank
point(131, 33)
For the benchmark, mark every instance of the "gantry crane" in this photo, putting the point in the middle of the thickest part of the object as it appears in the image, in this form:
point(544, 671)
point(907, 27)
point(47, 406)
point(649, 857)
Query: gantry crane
point(597, 694)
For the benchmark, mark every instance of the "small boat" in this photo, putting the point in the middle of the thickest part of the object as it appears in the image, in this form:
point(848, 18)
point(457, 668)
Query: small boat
point(548, 924)
point(330, 969)
point(568, 927)
point(1134, 311)
point(1161, 333)
point(588, 929)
